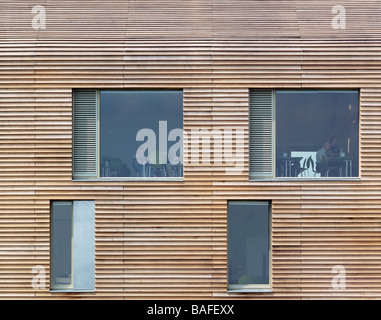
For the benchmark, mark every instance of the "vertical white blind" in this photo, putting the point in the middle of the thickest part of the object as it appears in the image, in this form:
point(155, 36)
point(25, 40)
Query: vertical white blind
point(85, 133)
point(84, 245)
point(73, 246)
point(261, 133)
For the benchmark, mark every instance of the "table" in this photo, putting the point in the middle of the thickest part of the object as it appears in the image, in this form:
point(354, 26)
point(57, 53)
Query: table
point(343, 165)
point(347, 166)
point(287, 164)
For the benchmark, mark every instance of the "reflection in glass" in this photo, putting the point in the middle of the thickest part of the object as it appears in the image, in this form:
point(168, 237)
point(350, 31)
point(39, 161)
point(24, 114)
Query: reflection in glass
point(62, 214)
point(317, 133)
point(124, 114)
point(248, 243)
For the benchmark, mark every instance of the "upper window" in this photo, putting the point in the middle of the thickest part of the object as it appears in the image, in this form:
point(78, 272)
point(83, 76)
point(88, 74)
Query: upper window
point(128, 133)
point(304, 134)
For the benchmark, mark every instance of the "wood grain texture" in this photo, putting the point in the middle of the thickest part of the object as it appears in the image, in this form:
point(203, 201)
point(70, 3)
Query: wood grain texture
point(158, 240)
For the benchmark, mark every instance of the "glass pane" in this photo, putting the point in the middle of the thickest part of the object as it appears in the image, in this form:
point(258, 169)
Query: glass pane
point(62, 244)
point(249, 244)
point(141, 133)
point(317, 134)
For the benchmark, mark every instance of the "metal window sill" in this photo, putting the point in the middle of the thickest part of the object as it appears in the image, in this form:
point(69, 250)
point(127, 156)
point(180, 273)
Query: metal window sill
point(130, 180)
point(71, 291)
point(333, 179)
point(250, 291)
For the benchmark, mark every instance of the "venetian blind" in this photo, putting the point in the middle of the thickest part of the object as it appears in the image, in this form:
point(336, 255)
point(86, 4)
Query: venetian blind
point(261, 134)
point(85, 134)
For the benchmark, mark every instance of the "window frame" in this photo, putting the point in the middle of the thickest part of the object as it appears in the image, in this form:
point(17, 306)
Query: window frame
point(273, 177)
point(252, 288)
point(98, 142)
point(54, 287)
point(82, 247)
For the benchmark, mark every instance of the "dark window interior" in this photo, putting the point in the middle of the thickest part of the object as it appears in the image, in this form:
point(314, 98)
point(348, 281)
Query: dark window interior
point(317, 133)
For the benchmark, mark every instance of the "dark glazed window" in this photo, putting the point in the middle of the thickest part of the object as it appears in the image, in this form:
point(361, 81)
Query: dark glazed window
point(62, 222)
point(317, 133)
point(304, 134)
point(141, 133)
point(248, 244)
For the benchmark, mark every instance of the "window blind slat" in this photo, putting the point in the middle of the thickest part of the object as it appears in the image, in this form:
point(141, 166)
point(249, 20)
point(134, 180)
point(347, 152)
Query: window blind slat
point(261, 134)
point(85, 133)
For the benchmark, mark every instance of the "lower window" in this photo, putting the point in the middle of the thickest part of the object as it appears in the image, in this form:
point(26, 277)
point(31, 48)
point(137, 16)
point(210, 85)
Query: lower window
point(249, 246)
point(72, 246)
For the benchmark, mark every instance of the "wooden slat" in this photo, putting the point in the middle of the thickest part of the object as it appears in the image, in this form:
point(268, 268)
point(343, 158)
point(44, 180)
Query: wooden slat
point(157, 240)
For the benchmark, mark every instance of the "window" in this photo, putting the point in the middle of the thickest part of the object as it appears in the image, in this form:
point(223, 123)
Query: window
point(304, 134)
point(73, 246)
point(249, 246)
point(127, 134)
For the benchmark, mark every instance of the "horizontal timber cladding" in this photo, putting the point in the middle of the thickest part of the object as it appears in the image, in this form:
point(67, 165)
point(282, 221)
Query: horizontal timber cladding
point(169, 239)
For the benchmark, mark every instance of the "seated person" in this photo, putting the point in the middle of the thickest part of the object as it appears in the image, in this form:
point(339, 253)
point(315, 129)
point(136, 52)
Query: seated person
point(326, 161)
point(334, 150)
point(322, 158)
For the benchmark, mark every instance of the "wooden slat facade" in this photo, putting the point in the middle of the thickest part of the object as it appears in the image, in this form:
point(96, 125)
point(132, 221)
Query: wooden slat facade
point(158, 240)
